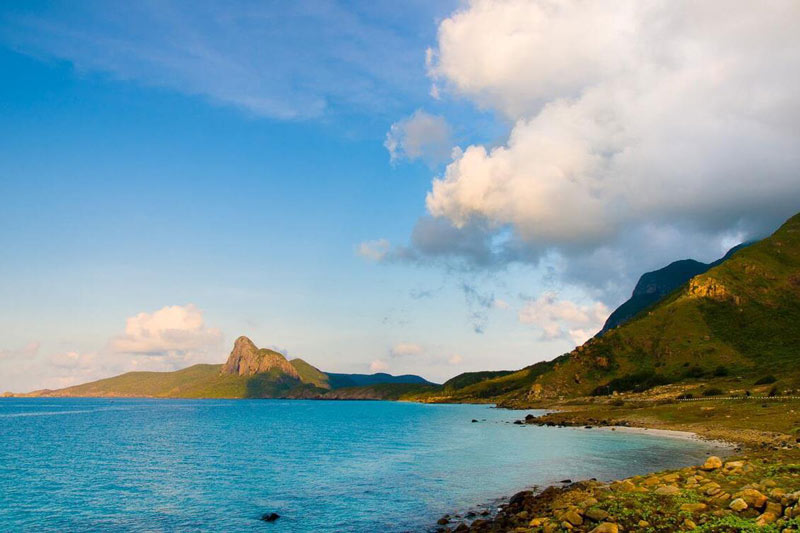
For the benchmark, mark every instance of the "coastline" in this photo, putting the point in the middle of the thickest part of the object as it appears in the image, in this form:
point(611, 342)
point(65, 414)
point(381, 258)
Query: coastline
point(736, 490)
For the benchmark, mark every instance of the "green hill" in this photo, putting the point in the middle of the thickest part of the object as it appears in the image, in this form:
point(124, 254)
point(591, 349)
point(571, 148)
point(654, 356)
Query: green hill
point(736, 323)
point(249, 372)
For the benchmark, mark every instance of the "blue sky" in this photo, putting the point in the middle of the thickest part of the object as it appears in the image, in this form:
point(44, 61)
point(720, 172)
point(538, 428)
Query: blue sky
point(366, 187)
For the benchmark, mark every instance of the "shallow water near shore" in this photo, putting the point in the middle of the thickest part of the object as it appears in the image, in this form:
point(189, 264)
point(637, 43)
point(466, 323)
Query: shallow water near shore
point(218, 465)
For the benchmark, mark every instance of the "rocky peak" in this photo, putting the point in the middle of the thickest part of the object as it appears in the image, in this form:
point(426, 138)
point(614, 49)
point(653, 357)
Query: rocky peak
point(246, 360)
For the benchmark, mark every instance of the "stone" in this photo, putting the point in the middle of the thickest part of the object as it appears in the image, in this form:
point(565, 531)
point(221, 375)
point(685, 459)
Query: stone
point(443, 521)
point(670, 478)
point(595, 514)
point(644, 523)
point(270, 517)
point(588, 502)
point(689, 524)
point(652, 481)
point(606, 527)
point(774, 508)
point(753, 498)
point(623, 486)
point(667, 490)
point(573, 518)
point(537, 522)
point(733, 465)
point(738, 505)
point(694, 507)
point(766, 518)
point(712, 463)
point(522, 515)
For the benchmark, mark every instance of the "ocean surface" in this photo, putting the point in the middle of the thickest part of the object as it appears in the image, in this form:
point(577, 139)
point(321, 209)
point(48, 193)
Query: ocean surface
point(218, 465)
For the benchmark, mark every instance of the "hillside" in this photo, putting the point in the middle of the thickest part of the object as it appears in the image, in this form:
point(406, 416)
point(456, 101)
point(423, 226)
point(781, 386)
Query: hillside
point(653, 286)
point(737, 324)
point(249, 372)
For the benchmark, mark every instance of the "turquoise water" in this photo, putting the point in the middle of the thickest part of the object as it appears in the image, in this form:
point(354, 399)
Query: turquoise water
point(218, 465)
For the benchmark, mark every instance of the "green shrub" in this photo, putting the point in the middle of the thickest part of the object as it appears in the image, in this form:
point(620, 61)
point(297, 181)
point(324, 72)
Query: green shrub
point(721, 371)
point(773, 391)
point(766, 380)
point(695, 372)
point(713, 392)
point(639, 382)
point(686, 396)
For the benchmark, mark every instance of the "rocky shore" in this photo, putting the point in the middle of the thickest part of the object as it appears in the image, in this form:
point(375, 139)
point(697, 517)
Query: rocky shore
point(755, 494)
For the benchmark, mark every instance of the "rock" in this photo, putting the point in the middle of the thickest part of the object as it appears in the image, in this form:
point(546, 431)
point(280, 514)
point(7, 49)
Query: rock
point(270, 517)
point(443, 521)
point(519, 497)
point(689, 524)
point(766, 518)
point(652, 481)
point(606, 527)
point(573, 518)
point(595, 514)
point(774, 508)
point(474, 421)
point(753, 498)
point(667, 490)
point(712, 463)
point(670, 478)
point(247, 360)
point(694, 507)
point(623, 486)
point(644, 523)
point(537, 522)
point(565, 481)
point(733, 465)
point(588, 502)
point(523, 515)
point(738, 505)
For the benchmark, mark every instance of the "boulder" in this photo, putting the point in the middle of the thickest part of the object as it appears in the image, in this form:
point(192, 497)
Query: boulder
point(596, 514)
point(712, 463)
point(667, 490)
point(606, 527)
point(753, 498)
point(573, 517)
point(738, 505)
point(766, 518)
point(694, 507)
point(270, 517)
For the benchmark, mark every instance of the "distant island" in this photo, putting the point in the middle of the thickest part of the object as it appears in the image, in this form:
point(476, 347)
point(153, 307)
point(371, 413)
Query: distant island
point(728, 327)
point(249, 372)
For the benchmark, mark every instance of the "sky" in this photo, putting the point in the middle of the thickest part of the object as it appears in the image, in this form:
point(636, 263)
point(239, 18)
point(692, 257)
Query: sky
point(425, 187)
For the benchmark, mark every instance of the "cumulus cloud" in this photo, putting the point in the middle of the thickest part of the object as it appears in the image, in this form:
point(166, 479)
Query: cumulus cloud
point(375, 250)
point(455, 359)
point(639, 133)
point(172, 330)
point(623, 112)
point(378, 366)
point(420, 136)
point(563, 319)
point(404, 349)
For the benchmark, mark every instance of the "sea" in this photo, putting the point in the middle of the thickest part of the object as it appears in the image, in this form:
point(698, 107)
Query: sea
point(342, 466)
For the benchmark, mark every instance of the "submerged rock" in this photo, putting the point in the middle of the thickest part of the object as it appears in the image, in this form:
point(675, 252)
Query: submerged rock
point(270, 517)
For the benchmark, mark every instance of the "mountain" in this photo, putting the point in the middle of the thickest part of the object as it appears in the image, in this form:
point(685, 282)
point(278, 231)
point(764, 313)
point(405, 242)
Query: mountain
point(653, 286)
point(737, 324)
point(364, 380)
point(249, 372)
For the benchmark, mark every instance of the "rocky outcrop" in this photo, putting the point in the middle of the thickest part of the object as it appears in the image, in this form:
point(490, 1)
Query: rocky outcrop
point(247, 360)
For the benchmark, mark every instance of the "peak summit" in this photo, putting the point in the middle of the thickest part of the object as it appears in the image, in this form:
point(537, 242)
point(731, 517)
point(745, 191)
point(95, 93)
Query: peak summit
point(246, 359)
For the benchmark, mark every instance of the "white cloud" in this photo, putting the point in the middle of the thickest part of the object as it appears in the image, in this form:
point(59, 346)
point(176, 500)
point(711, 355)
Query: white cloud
point(172, 330)
point(27, 352)
point(624, 113)
point(374, 250)
point(501, 304)
point(378, 366)
point(420, 136)
point(403, 349)
point(561, 319)
point(455, 359)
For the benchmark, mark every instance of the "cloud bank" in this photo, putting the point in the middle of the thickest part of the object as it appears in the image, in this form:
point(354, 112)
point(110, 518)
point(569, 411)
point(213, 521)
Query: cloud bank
point(623, 113)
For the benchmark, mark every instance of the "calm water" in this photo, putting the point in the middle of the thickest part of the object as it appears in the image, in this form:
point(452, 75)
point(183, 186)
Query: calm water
point(215, 465)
